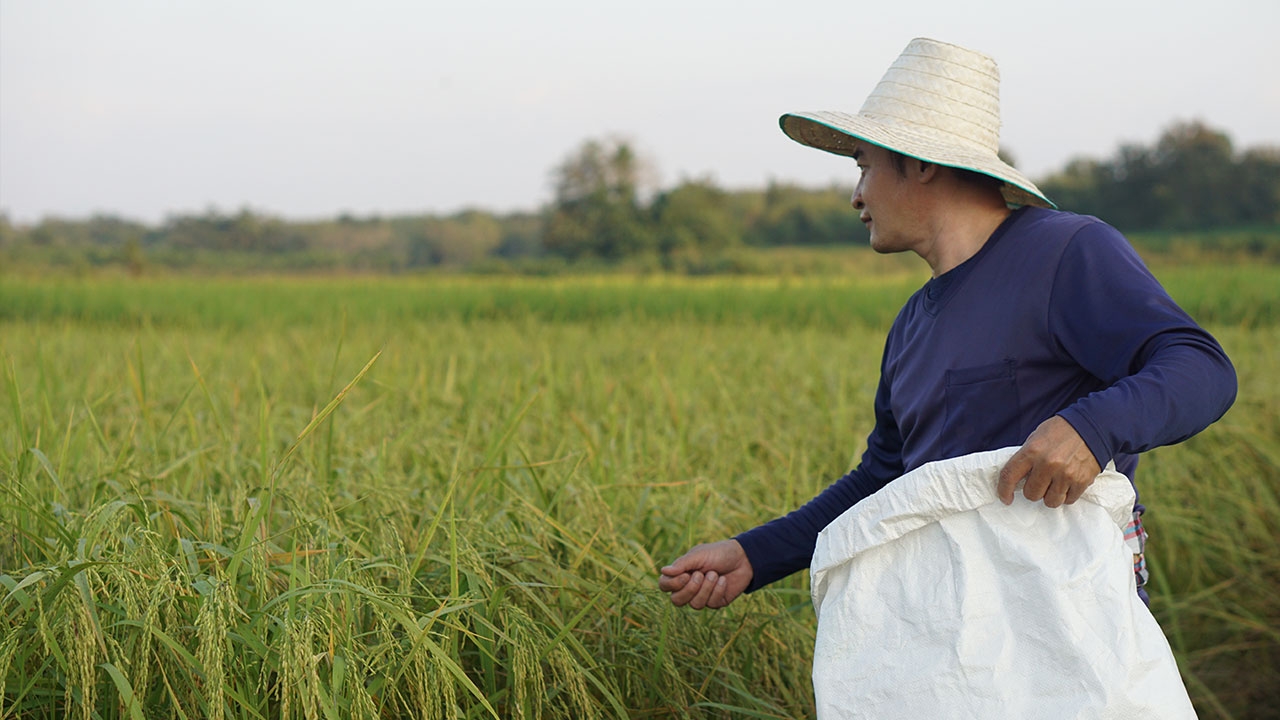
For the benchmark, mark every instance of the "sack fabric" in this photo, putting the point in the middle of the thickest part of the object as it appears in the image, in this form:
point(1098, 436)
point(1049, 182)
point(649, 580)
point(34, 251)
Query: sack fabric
point(934, 600)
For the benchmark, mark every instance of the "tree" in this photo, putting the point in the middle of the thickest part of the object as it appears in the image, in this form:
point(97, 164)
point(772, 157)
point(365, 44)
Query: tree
point(597, 210)
point(8, 235)
point(695, 214)
point(1258, 201)
point(793, 215)
point(1194, 178)
point(456, 240)
point(521, 236)
point(1190, 179)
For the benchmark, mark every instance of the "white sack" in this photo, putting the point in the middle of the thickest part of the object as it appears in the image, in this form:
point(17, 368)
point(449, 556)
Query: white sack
point(935, 600)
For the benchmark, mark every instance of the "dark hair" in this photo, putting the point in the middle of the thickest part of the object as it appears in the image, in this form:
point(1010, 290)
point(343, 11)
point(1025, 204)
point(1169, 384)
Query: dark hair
point(899, 162)
point(966, 177)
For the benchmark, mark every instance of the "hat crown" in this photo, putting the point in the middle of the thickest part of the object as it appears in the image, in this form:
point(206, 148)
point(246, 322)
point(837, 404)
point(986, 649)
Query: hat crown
point(938, 102)
point(944, 92)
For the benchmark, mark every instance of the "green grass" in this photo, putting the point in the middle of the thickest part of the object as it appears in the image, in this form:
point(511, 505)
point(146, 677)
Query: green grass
point(282, 302)
point(449, 497)
point(1215, 293)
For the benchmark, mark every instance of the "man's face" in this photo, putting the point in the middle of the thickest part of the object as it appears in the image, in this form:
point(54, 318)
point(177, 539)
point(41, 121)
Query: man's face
point(883, 199)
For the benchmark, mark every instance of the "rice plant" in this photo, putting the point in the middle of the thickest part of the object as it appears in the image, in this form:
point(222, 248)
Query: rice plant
point(448, 498)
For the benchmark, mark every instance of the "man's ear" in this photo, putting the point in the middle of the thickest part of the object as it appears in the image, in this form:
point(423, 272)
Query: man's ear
point(926, 172)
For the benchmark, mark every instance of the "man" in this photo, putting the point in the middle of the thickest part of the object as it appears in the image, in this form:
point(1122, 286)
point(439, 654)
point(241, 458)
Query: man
point(1038, 328)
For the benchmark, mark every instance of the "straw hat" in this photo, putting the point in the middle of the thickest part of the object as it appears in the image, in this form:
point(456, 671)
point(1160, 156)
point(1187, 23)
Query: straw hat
point(938, 102)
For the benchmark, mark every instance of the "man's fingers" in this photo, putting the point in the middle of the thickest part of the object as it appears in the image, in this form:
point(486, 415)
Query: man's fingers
point(719, 595)
point(1038, 482)
point(1054, 488)
point(688, 591)
point(1056, 494)
point(678, 566)
point(707, 586)
point(1010, 474)
point(672, 583)
point(698, 558)
point(707, 576)
point(1056, 462)
point(1075, 492)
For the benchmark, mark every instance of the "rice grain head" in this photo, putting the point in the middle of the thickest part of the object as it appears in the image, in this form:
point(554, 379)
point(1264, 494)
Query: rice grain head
point(525, 678)
point(8, 648)
point(211, 634)
point(362, 705)
point(575, 697)
point(81, 645)
point(435, 687)
point(299, 679)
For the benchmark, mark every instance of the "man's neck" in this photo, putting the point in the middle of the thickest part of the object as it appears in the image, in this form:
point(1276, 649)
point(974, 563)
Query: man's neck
point(961, 235)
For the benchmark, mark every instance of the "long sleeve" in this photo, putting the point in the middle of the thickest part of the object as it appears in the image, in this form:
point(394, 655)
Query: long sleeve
point(785, 545)
point(1166, 378)
point(1055, 315)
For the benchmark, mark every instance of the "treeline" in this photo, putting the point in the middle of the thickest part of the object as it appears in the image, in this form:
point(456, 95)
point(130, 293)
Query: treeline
point(1190, 181)
point(1192, 178)
point(693, 228)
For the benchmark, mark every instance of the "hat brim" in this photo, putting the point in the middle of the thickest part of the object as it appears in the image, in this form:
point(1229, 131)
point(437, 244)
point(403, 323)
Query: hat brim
point(839, 133)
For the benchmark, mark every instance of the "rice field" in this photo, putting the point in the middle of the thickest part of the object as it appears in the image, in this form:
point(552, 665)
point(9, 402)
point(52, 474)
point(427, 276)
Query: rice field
point(446, 497)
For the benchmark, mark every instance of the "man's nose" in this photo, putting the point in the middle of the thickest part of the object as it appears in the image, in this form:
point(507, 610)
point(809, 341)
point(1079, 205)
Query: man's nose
point(856, 200)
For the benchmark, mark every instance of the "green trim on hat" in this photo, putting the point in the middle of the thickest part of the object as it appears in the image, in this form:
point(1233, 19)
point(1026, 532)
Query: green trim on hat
point(1016, 188)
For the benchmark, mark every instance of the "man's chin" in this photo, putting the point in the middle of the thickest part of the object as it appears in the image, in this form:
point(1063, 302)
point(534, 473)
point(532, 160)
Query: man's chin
point(883, 248)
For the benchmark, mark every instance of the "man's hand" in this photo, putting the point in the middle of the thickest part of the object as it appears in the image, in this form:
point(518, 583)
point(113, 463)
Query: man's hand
point(709, 576)
point(1057, 464)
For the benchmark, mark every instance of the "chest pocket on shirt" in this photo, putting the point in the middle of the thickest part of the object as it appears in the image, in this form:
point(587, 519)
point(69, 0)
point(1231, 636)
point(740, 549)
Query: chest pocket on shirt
point(982, 408)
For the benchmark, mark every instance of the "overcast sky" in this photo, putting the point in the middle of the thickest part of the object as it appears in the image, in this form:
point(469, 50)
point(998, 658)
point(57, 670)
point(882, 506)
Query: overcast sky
point(310, 109)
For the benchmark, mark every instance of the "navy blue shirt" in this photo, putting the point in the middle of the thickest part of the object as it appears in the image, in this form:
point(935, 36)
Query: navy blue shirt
point(1055, 315)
